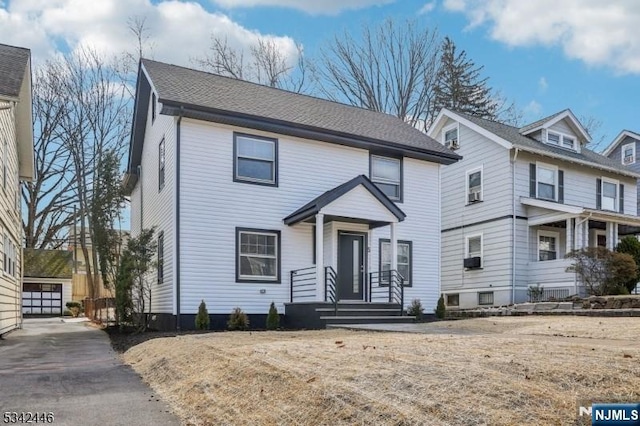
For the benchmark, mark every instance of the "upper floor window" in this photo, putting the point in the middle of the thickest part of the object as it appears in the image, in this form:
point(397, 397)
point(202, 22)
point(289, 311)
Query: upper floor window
point(386, 173)
point(160, 257)
point(153, 107)
point(609, 193)
point(404, 260)
point(257, 255)
point(161, 164)
point(474, 185)
point(547, 245)
point(450, 136)
point(547, 182)
point(559, 139)
point(629, 153)
point(255, 159)
point(473, 249)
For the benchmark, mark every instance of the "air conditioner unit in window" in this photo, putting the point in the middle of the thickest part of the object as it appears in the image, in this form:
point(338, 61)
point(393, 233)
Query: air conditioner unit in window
point(472, 262)
point(452, 144)
point(474, 197)
point(628, 159)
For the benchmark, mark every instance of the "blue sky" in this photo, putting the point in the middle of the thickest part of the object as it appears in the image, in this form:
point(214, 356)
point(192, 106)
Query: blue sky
point(545, 55)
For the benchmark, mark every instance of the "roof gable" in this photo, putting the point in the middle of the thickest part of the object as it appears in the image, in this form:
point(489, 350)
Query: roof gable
point(621, 136)
point(565, 115)
point(14, 64)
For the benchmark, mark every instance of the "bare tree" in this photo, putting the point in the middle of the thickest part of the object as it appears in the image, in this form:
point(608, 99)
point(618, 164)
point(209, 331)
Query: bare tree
point(263, 63)
point(390, 68)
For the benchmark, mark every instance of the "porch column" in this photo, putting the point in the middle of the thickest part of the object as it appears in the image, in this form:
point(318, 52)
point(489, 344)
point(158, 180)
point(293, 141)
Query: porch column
point(569, 237)
point(394, 246)
point(585, 233)
point(320, 256)
point(578, 238)
point(609, 235)
point(616, 229)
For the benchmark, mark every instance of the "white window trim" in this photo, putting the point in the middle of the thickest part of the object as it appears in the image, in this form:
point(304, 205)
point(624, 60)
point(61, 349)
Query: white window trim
point(552, 234)
point(555, 179)
point(452, 126)
point(467, 188)
point(561, 137)
point(633, 160)
point(388, 181)
point(616, 202)
point(466, 247)
point(240, 255)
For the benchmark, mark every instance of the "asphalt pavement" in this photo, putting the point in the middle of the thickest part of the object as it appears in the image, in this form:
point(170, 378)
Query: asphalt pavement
point(70, 370)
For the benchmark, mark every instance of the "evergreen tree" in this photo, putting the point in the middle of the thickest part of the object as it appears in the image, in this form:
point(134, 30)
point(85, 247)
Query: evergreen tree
point(202, 318)
point(459, 85)
point(441, 308)
point(273, 319)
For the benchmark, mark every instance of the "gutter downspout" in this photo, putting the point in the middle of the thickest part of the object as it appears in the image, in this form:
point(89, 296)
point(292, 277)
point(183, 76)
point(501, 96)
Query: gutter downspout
point(177, 228)
point(139, 169)
point(575, 233)
point(513, 220)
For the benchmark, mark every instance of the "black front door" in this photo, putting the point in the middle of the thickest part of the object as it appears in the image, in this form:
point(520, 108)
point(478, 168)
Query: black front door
point(351, 273)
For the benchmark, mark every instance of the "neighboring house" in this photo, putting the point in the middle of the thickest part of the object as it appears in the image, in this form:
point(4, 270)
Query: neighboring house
point(519, 201)
point(623, 149)
point(46, 284)
point(234, 177)
point(16, 164)
point(80, 285)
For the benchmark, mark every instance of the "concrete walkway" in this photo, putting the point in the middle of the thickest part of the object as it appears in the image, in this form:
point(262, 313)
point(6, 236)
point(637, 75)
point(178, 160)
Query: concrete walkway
point(69, 369)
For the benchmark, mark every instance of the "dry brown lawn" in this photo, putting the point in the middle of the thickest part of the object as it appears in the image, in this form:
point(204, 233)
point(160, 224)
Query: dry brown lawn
point(499, 371)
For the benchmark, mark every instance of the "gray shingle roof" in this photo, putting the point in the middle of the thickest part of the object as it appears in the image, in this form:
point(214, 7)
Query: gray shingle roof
point(540, 122)
point(188, 87)
point(512, 134)
point(13, 63)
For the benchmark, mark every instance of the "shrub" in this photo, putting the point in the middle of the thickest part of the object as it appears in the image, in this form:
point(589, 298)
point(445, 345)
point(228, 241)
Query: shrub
point(202, 319)
point(238, 320)
point(602, 271)
point(535, 293)
point(273, 319)
point(630, 245)
point(441, 309)
point(74, 308)
point(66, 313)
point(416, 309)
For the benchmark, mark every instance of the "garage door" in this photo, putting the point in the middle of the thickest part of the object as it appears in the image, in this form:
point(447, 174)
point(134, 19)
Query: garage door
point(41, 299)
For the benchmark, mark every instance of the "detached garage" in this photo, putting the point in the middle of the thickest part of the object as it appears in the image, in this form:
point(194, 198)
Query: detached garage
point(46, 284)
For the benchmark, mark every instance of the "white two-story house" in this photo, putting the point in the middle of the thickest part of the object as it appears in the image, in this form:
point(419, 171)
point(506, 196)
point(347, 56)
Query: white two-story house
point(259, 195)
point(519, 201)
point(16, 165)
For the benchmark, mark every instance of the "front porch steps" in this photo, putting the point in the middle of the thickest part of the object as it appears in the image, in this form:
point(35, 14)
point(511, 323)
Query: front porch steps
point(319, 315)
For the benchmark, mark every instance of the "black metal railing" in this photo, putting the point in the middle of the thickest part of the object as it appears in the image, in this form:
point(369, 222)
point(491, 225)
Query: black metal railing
point(387, 286)
point(303, 284)
point(330, 287)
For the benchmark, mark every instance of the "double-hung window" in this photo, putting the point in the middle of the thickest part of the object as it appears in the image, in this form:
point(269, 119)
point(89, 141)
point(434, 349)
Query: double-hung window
point(474, 185)
point(609, 194)
point(561, 140)
point(160, 257)
point(629, 153)
point(161, 165)
point(473, 249)
point(547, 245)
point(386, 173)
point(257, 255)
point(450, 136)
point(547, 182)
point(256, 159)
point(404, 260)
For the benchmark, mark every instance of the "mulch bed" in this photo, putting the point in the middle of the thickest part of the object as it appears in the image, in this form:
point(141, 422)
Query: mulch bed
point(122, 341)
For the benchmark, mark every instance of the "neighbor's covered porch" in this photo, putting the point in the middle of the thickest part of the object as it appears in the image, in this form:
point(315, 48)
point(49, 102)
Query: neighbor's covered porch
point(342, 220)
point(555, 230)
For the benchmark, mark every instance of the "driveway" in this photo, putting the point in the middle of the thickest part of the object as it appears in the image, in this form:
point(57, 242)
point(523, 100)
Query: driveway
point(69, 369)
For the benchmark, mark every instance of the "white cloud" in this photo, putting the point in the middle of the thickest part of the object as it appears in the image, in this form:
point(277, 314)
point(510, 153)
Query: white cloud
point(602, 33)
point(427, 8)
point(314, 7)
point(543, 84)
point(533, 109)
point(179, 30)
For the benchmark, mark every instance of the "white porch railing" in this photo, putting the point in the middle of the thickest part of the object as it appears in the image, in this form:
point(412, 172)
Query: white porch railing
point(550, 271)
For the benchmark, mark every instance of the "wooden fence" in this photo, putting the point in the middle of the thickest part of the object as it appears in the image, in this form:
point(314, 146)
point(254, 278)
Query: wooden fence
point(101, 310)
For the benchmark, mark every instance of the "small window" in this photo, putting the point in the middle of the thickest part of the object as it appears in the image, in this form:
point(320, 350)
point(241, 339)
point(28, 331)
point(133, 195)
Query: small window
point(553, 138)
point(485, 298)
point(258, 255)
point(609, 194)
point(547, 245)
point(386, 173)
point(473, 258)
point(161, 165)
point(255, 159)
point(547, 182)
point(404, 260)
point(629, 153)
point(161, 257)
point(453, 300)
point(561, 140)
point(474, 186)
point(153, 107)
point(450, 136)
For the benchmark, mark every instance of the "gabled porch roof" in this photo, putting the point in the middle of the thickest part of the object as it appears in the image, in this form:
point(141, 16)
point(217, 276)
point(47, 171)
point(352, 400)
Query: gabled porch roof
point(380, 212)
